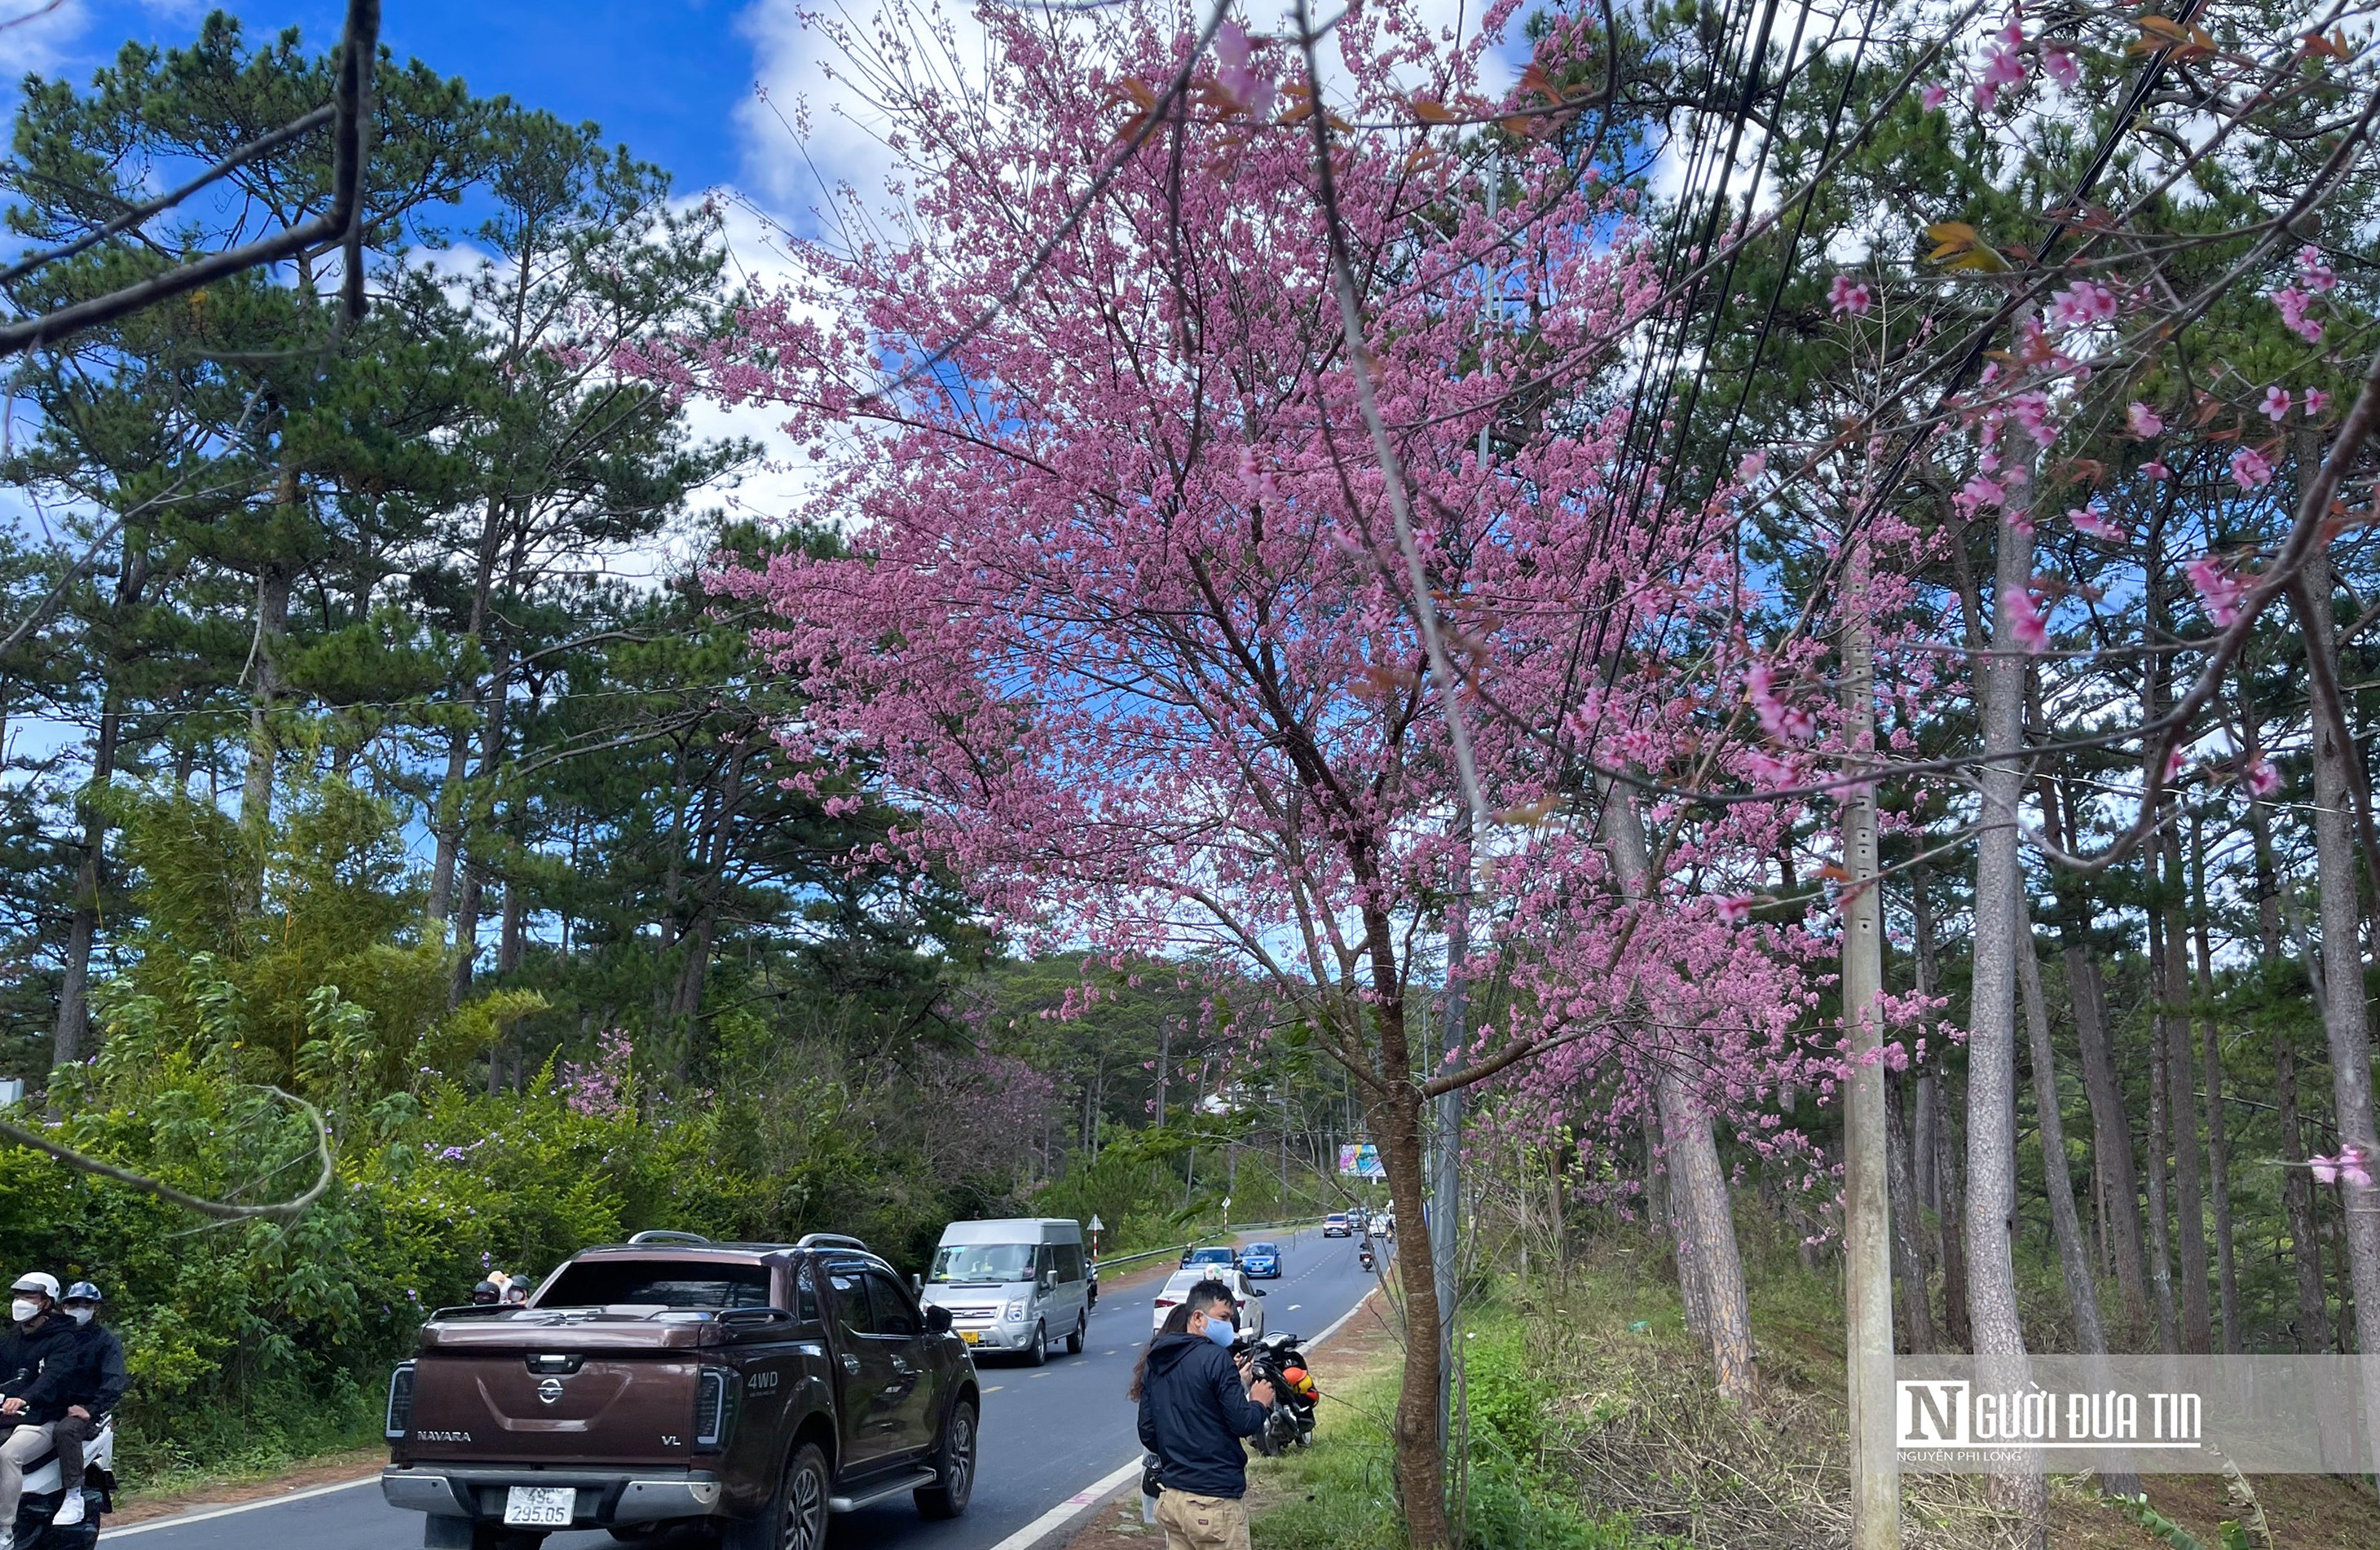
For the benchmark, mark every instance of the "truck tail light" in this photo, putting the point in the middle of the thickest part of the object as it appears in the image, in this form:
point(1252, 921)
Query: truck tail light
point(400, 1403)
point(710, 1408)
point(1167, 1302)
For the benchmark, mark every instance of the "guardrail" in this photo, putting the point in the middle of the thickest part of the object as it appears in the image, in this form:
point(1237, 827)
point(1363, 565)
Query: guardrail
point(1111, 1262)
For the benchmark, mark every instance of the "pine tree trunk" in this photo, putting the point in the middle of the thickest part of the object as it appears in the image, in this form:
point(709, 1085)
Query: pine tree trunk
point(1908, 1262)
point(2111, 1127)
point(2182, 1112)
point(1958, 1328)
point(2019, 1490)
point(2058, 1180)
point(1706, 1224)
point(446, 826)
point(271, 625)
point(2160, 1246)
point(2219, 1140)
point(2345, 1018)
point(71, 1039)
point(2298, 1201)
point(1707, 1248)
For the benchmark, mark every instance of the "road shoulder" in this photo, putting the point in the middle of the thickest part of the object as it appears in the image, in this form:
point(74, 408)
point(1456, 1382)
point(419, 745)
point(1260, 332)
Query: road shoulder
point(334, 1469)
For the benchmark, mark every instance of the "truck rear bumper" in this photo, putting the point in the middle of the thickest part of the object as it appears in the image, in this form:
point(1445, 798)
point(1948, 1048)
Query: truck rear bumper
point(475, 1492)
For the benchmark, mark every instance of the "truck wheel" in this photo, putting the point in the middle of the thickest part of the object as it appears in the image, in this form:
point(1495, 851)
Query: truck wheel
point(1075, 1340)
point(796, 1515)
point(1039, 1352)
point(953, 1466)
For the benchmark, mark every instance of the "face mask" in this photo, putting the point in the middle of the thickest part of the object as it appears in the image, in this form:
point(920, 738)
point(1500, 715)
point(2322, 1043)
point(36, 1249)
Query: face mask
point(81, 1315)
point(24, 1310)
point(1219, 1332)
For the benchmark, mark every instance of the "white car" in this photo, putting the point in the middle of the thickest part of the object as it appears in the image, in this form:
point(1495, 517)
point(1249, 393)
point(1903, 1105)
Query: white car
point(1177, 1286)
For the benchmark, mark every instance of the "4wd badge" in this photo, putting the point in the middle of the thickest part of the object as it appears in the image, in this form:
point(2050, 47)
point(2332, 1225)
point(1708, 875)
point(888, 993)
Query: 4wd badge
point(550, 1391)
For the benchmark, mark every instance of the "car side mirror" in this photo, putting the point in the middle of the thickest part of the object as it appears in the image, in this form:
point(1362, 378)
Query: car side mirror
point(938, 1319)
point(1048, 1280)
point(1256, 1291)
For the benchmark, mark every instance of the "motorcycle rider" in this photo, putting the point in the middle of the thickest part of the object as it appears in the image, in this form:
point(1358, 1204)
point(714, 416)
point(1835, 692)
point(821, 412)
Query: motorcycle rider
point(34, 1362)
point(93, 1383)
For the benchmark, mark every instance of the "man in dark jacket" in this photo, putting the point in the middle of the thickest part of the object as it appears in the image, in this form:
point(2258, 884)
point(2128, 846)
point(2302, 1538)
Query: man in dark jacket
point(1194, 1408)
point(31, 1372)
point(93, 1382)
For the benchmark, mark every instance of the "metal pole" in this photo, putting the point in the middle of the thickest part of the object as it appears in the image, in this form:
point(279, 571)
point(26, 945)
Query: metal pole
point(1446, 1169)
point(1446, 1162)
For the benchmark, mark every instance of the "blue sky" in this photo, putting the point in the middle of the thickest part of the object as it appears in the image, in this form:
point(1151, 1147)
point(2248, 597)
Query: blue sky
point(667, 76)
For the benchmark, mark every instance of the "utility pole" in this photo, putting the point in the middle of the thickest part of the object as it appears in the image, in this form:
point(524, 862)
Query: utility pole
point(1446, 1164)
point(1867, 1226)
point(1446, 1171)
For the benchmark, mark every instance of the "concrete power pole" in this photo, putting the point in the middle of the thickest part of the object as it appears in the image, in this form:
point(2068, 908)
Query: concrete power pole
point(1867, 1225)
point(1446, 1162)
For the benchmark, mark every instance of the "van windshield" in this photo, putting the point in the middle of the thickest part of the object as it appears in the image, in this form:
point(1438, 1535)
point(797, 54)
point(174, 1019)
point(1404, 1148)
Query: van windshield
point(983, 1262)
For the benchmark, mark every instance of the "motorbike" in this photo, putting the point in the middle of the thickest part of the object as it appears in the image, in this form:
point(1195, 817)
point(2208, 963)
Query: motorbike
point(44, 1493)
point(1365, 1256)
point(1278, 1360)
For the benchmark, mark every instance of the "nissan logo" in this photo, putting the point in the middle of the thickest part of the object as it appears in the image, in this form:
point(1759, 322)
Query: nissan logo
point(550, 1391)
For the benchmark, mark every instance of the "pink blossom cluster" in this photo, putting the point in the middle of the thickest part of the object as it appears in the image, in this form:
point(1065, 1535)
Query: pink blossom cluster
point(2350, 1167)
point(600, 1087)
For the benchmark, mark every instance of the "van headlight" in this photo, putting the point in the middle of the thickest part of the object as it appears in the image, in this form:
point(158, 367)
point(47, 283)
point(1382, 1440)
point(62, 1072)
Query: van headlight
point(1014, 1312)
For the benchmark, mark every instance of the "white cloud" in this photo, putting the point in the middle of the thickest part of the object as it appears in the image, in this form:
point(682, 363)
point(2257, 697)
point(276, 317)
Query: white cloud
point(815, 124)
point(36, 35)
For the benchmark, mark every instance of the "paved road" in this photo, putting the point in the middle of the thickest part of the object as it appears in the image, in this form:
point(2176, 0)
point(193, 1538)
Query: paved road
point(1048, 1433)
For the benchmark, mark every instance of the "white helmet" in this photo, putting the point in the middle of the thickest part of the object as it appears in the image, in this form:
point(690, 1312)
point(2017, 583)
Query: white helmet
point(38, 1281)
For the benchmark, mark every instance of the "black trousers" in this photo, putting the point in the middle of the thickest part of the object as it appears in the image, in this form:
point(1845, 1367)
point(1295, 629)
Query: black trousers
point(67, 1436)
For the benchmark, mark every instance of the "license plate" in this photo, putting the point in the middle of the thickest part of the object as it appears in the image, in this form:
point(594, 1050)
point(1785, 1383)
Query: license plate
point(539, 1507)
point(970, 1335)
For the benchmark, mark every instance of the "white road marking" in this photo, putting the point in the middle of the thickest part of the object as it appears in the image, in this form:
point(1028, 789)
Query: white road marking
point(1072, 1507)
point(180, 1519)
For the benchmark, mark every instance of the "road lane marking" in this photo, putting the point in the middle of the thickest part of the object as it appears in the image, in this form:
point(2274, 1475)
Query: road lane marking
point(995, 1388)
point(1072, 1507)
point(208, 1515)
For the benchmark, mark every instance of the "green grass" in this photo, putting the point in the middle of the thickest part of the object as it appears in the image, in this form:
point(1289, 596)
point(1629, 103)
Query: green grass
point(201, 1446)
point(1341, 1494)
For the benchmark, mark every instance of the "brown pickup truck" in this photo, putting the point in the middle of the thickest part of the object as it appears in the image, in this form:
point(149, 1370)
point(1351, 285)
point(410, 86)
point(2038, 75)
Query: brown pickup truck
point(756, 1387)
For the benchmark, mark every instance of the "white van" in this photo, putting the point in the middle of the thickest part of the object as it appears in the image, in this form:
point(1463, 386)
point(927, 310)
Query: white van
point(1013, 1285)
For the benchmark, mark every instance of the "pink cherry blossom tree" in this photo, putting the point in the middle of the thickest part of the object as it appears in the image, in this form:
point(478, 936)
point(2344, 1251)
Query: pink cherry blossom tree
point(1142, 544)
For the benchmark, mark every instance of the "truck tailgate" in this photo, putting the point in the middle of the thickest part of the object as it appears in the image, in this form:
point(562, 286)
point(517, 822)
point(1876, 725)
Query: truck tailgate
point(503, 1395)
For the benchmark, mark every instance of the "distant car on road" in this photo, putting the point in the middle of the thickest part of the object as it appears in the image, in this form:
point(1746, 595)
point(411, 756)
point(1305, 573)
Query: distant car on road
point(1360, 1220)
point(1249, 1297)
point(1336, 1225)
point(1261, 1261)
point(1214, 1253)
